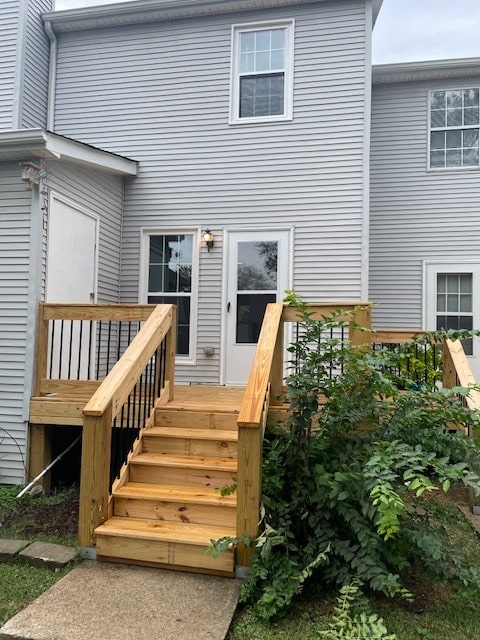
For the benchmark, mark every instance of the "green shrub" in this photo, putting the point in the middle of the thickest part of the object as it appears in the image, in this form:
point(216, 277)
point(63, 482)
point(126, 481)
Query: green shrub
point(341, 481)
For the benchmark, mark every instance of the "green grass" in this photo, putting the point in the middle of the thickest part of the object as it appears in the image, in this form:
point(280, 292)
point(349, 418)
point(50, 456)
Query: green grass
point(49, 518)
point(440, 611)
point(19, 585)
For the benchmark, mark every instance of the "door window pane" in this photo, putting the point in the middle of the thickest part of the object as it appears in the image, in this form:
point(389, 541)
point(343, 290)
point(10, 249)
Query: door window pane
point(250, 311)
point(257, 266)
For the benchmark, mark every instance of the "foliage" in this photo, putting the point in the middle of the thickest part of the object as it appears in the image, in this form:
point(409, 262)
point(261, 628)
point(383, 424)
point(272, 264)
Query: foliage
point(353, 620)
point(342, 480)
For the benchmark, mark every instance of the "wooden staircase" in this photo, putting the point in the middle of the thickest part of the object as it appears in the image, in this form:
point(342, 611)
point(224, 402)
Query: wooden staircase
point(167, 506)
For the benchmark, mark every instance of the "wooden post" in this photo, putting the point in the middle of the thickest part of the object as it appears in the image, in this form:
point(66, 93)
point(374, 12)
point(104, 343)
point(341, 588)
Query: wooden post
point(171, 347)
point(249, 488)
point(361, 339)
point(41, 355)
point(276, 372)
point(40, 439)
point(449, 374)
point(39, 453)
point(95, 475)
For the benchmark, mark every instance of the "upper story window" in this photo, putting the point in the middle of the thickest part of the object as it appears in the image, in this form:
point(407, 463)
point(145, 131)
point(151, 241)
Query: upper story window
point(454, 128)
point(262, 72)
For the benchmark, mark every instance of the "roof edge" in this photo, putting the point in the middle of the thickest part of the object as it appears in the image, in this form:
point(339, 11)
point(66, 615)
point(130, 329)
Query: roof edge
point(150, 10)
point(425, 70)
point(39, 143)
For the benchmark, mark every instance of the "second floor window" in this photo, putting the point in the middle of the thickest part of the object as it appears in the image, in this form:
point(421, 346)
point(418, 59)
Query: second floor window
point(262, 73)
point(454, 128)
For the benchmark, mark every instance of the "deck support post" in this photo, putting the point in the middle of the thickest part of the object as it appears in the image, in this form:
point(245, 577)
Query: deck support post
point(95, 472)
point(249, 487)
point(39, 453)
point(171, 350)
point(362, 317)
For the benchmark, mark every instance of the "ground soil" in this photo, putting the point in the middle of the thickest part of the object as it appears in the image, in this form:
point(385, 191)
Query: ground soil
point(52, 515)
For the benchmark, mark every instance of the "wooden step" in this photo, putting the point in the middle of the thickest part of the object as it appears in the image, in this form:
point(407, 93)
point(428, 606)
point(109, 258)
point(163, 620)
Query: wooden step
point(162, 544)
point(181, 470)
point(196, 442)
point(196, 418)
point(175, 504)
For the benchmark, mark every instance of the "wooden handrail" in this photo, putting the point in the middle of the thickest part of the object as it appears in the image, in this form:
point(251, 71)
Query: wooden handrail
point(118, 384)
point(252, 406)
point(104, 405)
point(456, 366)
point(396, 336)
point(54, 311)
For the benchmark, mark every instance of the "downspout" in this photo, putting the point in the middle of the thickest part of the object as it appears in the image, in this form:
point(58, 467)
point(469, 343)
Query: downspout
point(52, 76)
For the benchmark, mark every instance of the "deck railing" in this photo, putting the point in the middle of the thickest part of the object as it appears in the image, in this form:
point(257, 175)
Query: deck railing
point(143, 376)
point(264, 388)
point(114, 361)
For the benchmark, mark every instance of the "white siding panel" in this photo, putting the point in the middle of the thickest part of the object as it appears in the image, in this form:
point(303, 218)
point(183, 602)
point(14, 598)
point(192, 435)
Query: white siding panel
point(35, 75)
point(8, 49)
point(15, 207)
point(102, 194)
point(159, 93)
point(416, 214)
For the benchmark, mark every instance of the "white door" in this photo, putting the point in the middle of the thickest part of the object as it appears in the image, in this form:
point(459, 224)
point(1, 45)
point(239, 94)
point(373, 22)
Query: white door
point(71, 253)
point(452, 296)
point(258, 273)
point(71, 278)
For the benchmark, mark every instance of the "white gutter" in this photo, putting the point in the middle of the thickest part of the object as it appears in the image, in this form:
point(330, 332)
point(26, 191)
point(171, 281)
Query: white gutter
point(52, 76)
point(140, 11)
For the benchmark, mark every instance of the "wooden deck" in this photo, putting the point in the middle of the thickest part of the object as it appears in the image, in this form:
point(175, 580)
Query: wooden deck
point(64, 403)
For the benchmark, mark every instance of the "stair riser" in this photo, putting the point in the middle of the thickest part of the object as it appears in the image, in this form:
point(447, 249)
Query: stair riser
point(175, 512)
point(163, 553)
point(180, 477)
point(189, 446)
point(196, 419)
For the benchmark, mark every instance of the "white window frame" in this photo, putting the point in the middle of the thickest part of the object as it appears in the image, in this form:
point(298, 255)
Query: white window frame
point(430, 271)
point(456, 128)
point(145, 234)
point(237, 30)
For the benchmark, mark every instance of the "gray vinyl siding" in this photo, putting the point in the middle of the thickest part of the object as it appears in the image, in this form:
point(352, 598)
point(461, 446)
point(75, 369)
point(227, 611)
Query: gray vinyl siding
point(159, 93)
point(416, 214)
point(102, 194)
point(15, 225)
point(35, 68)
point(9, 10)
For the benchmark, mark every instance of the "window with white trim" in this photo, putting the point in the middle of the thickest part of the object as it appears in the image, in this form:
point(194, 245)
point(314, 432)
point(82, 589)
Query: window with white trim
point(454, 128)
point(171, 280)
point(262, 72)
point(455, 304)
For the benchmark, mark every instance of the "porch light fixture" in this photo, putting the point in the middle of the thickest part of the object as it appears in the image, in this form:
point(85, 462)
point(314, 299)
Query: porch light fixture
point(208, 237)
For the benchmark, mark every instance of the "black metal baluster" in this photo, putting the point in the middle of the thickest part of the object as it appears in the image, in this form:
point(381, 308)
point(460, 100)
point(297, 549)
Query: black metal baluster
point(80, 339)
point(60, 351)
point(52, 342)
point(89, 365)
point(70, 348)
point(99, 338)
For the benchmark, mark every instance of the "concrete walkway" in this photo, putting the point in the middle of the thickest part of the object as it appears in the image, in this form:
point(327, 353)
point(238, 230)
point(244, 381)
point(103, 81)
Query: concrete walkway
point(98, 601)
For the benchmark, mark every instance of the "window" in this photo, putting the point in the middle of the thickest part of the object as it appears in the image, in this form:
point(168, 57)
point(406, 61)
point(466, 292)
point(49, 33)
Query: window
point(454, 304)
point(262, 70)
point(171, 277)
point(454, 128)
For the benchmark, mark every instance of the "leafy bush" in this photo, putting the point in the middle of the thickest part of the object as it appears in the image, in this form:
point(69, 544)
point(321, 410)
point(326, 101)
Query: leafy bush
point(353, 620)
point(342, 479)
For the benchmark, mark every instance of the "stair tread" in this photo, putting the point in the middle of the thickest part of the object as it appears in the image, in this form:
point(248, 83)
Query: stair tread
point(199, 495)
point(188, 462)
point(194, 434)
point(186, 533)
point(179, 406)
